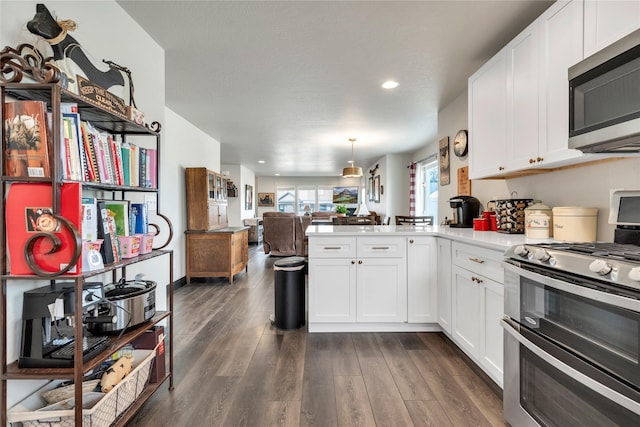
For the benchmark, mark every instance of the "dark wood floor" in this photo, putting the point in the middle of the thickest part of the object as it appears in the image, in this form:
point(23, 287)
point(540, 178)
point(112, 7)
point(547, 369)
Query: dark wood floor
point(232, 368)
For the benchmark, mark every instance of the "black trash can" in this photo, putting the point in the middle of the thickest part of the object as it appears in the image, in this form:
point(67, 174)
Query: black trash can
point(289, 293)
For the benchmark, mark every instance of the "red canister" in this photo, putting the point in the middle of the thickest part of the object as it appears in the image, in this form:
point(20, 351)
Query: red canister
point(480, 224)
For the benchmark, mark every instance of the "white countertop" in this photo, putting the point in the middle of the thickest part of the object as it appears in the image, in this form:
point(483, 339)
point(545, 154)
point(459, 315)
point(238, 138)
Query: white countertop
point(488, 239)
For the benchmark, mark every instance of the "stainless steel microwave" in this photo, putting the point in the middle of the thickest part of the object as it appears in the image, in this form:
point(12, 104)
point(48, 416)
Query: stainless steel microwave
point(604, 99)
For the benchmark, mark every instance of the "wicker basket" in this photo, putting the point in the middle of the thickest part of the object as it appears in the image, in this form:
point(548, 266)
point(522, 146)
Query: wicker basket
point(99, 409)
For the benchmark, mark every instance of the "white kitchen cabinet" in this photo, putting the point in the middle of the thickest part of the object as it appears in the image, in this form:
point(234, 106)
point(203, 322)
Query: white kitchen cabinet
point(488, 118)
point(606, 21)
point(444, 284)
point(332, 279)
point(332, 292)
point(357, 279)
point(534, 105)
point(422, 292)
point(522, 99)
point(381, 290)
point(477, 306)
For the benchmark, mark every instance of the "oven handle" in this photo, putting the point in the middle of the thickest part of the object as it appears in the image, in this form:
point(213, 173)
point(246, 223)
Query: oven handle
point(583, 291)
point(602, 390)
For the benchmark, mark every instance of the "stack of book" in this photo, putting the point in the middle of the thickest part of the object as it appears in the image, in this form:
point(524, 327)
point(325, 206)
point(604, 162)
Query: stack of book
point(91, 155)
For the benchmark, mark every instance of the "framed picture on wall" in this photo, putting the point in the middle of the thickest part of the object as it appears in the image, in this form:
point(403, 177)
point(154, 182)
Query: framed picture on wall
point(370, 196)
point(248, 197)
point(444, 162)
point(266, 200)
point(376, 189)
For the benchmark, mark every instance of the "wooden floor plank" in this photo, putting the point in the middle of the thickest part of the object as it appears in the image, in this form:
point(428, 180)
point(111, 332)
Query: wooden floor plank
point(282, 414)
point(407, 377)
point(290, 367)
point(428, 414)
point(480, 394)
point(457, 405)
point(384, 396)
point(352, 399)
point(318, 392)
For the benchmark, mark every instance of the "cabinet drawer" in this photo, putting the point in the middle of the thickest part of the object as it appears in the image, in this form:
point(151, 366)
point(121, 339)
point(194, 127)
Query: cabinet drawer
point(381, 247)
point(485, 262)
point(332, 247)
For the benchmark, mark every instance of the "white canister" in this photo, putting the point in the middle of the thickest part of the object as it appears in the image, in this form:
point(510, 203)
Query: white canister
point(538, 221)
point(575, 224)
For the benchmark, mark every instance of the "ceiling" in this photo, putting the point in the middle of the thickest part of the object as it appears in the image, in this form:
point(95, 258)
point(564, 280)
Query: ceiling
point(289, 82)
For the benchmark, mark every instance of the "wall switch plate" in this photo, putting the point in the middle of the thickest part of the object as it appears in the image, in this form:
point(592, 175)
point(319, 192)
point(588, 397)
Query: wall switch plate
point(150, 200)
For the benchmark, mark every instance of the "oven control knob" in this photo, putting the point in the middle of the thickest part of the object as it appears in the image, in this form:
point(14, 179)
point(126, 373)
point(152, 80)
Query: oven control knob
point(542, 255)
point(634, 274)
point(521, 251)
point(600, 267)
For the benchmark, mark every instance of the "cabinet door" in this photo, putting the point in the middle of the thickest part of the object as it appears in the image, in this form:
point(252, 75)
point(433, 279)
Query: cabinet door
point(466, 312)
point(421, 280)
point(382, 290)
point(332, 290)
point(561, 43)
point(606, 21)
point(493, 309)
point(488, 118)
point(444, 284)
point(213, 215)
point(522, 96)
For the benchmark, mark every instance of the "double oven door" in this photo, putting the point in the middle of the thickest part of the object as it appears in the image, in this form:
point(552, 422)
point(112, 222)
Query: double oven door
point(572, 350)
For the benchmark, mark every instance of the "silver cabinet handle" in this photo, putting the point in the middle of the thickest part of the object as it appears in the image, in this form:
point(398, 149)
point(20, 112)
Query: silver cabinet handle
point(331, 248)
point(478, 260)
point(380, 248)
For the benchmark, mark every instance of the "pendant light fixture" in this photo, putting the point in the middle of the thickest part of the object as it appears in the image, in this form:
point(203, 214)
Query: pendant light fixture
point(352, 171)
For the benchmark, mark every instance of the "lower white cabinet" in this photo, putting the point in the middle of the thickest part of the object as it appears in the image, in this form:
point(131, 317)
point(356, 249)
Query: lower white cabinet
point(443, 281)
point(477, 296)
point(332, 291)
point(381, 290)
point(422, 297)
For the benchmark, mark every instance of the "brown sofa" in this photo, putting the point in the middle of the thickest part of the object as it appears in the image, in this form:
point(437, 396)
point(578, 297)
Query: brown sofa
point(283, 233)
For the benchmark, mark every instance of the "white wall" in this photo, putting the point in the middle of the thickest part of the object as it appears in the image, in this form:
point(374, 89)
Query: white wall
point(241, 176)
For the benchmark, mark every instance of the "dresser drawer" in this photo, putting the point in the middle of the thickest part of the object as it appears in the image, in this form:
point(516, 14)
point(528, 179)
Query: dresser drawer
point(381, 247)
point(485, 262)
point(332, 247)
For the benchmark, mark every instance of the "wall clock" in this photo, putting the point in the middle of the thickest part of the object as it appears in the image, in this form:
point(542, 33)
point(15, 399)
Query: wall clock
point(461, 143)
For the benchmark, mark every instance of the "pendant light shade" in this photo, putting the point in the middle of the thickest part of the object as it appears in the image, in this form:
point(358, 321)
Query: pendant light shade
point(352, 171)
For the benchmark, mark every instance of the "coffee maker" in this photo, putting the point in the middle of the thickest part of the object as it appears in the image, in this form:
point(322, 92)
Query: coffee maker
point(48, 325)
point(465, 208)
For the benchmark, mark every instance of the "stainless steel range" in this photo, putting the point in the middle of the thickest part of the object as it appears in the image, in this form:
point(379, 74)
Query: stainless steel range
point(572, 333)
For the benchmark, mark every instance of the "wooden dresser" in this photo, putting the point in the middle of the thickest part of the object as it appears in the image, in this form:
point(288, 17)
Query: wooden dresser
point(217, 253)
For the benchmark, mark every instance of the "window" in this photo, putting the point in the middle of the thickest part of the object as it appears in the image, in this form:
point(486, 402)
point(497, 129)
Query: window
point(286, 197)
point(427, 191)
point(306, 196)
point(294, 199)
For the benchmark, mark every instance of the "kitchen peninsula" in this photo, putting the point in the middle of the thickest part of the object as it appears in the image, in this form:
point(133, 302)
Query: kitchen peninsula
point(408, 279)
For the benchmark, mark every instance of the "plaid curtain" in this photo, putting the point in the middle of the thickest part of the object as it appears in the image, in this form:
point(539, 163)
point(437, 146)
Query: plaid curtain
point(412, 189)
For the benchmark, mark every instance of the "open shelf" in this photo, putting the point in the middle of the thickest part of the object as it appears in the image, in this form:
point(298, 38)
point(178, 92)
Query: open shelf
point(16, 373)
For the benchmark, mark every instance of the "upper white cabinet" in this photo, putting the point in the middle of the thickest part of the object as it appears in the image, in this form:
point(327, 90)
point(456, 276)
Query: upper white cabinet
point(488, 117)
point(606, 21)
point(532, 100)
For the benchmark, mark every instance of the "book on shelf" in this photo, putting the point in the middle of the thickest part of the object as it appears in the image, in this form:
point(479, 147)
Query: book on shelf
point(119, 211)
point(72, 147)
point(152, 168)
point(126, 163)
point(27, 139)
point(29, 211)
point(92, 158)
point(106, 232)
point(134, 165)
point(72, 121)
point(89, 219)
point(139, 218)
point(142, 170)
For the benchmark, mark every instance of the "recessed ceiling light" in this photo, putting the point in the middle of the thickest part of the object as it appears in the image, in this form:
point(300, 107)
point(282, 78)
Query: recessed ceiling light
point(277, 174)
point(390, 84)
point(261, 161)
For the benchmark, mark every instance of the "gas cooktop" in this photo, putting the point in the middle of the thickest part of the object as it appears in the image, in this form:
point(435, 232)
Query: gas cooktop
point(614, 263)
